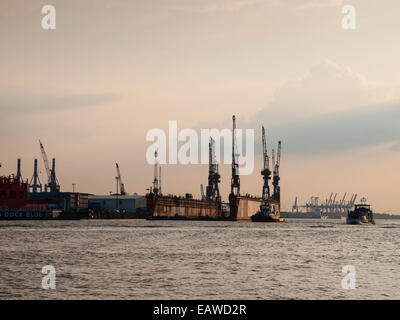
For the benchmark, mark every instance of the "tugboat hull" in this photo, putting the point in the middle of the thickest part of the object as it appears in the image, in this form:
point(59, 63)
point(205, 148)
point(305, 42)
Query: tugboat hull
point(263, 218)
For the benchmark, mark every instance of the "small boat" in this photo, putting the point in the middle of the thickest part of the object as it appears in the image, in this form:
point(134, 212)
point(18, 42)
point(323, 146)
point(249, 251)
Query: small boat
point(266, 214)
point(362, 214)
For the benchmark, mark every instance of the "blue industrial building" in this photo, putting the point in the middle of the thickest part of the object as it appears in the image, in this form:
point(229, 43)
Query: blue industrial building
point(127, 203)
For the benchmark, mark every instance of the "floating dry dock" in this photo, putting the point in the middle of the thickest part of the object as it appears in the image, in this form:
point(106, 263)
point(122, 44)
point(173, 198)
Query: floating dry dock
point(178, 208)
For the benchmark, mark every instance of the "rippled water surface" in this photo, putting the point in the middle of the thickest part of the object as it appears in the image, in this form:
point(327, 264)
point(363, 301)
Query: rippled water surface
point(139, 259)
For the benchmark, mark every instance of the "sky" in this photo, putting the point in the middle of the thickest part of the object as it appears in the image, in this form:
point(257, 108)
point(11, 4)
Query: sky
point(91, 89)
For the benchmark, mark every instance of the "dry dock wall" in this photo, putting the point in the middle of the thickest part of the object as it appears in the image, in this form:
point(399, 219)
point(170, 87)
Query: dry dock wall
point(186, 208)
point(247, 207)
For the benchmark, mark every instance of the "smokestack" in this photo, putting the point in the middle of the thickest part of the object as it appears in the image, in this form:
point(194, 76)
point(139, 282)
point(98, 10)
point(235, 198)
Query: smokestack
point(19, 168)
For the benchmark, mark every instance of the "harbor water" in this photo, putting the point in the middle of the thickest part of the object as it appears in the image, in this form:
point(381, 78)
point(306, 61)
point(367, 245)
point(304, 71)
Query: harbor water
point(139, 259)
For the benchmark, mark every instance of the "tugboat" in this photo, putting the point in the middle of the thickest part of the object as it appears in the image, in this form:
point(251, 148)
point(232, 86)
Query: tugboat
point(362, 214)
point(267, 214)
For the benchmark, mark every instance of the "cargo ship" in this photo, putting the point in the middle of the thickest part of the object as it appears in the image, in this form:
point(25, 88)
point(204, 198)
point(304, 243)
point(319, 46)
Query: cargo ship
point(14, 202)
point(172, 207)
point(17, 203)
point(362, 214)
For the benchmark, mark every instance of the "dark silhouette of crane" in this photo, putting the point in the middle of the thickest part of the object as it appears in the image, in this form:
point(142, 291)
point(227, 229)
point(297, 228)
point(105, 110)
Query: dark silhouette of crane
point(52, 184)
point(235, 180)
point(266, 172)
point(214, 178)
point(276, 176)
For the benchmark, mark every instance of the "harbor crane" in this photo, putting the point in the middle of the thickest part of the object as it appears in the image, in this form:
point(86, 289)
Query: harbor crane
point(214, 178)
point(120, 183)
point(266, 172)
point(276, 177)
point(330, 206)
point(235, 180)
point(52, 184)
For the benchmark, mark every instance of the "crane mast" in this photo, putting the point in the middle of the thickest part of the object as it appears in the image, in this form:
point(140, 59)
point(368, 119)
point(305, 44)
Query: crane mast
point(235, 181)
point(266, 172)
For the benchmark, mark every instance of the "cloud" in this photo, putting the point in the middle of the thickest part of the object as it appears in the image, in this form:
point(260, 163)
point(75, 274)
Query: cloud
point(330, 109)
point(356, 128)
point(328, 87)
point(11, 103)
point(396, 146)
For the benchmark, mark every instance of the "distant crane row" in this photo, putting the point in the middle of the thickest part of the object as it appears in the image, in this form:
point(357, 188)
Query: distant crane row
point(329, 206)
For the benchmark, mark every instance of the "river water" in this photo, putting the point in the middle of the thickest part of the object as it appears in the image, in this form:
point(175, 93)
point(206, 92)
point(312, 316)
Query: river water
point(139, 259)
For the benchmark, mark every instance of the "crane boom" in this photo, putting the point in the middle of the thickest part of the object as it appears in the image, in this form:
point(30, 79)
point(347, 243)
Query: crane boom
point(46, 162)
point(121, 184)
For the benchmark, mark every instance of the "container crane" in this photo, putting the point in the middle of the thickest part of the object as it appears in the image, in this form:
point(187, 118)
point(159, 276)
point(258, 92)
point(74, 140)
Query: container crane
point(119, 179)
point(34, 184)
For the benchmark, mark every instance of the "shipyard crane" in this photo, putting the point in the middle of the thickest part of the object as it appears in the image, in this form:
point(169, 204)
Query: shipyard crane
point(212, 190)
point(120, 183)
point(266, 172)
point(52, 184)
point(276, 177)
point(235, 180)
point(156, 188)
